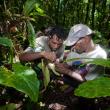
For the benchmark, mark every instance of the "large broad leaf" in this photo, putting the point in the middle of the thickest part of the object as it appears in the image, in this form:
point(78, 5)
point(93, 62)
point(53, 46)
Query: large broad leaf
point(96, 61)
point(22, 78)
point(46, 73)
point(31, 34)
point(6, 42)
point(101, 62)
point(99, 87)
point(28, 7)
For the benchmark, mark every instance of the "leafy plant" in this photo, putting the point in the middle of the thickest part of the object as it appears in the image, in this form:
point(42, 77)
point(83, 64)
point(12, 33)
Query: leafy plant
point(96, 61)
point(46, 73)
point(39, 10)
point(99, 87)
point(101, 62)
point(22, 78)
point(8, 43)
point(28, 7)
point(31, 34)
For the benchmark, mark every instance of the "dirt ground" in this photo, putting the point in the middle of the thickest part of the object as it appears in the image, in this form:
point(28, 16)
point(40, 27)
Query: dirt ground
point(56, 99)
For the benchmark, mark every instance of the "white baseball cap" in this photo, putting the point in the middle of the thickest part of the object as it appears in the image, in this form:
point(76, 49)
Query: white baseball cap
point(76, 32)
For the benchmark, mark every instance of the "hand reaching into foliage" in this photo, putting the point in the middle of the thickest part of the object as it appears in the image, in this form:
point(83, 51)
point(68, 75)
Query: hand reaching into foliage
point(64, 69)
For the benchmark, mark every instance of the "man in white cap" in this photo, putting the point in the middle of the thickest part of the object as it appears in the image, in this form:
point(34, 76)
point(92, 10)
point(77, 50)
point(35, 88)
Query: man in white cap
point(82, 46)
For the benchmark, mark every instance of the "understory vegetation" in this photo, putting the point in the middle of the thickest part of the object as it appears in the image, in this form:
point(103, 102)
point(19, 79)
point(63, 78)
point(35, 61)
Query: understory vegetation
point(19, 85)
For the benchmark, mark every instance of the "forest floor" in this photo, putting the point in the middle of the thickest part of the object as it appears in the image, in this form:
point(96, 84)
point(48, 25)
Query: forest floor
point(56, 98)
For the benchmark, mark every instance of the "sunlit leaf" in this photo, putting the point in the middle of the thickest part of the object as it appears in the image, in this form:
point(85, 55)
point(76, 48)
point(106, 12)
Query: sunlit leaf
point(101, 62)
point(85, 1)
point(108, 2)
point(22, 78)
point(39, 10)
point(96, 61)
point(29, 6)
point(31, 34)
point(99, 87)
point(46, 74)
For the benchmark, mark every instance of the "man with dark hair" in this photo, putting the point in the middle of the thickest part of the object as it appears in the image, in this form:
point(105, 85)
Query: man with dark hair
point(48, 47)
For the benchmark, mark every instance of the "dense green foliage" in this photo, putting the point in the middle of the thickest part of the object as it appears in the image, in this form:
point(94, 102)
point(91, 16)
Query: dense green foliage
point(22, 78)
point(20, 20)
point(61, 12)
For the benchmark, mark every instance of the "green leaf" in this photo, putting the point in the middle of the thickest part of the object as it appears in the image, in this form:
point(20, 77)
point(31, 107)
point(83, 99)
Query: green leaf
point(6, 42)
point(39, 10)
point(100, 61)
point(46, 74)
point(72, 59)
point(96, 61)
point(99, 87)
point(31, 34)
point(22, 78)
point(10, 106)
point(29, 6)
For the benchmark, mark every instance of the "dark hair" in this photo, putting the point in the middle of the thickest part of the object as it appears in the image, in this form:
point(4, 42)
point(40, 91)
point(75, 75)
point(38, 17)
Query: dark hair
point(48, 30)
point(61, 34)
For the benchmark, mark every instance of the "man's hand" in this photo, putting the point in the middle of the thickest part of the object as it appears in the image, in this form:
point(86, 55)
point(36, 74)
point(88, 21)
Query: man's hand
point(62, 68)
point(49, 55)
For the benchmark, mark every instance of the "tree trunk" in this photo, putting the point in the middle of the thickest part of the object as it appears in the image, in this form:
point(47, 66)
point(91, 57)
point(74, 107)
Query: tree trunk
point(57, 12)
point(93, 11)
point(87, 12)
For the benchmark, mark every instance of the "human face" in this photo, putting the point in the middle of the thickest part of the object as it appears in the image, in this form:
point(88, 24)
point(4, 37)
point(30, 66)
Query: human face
point(55, 43)
point(81, 45)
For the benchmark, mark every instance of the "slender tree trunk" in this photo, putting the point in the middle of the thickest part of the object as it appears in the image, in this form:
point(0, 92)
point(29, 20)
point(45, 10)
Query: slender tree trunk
point(64, 16)
point(87, 13)
point(104, 12)
point(93, 11)
point(102, 16)
point(78, 12)
point(57, 12)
